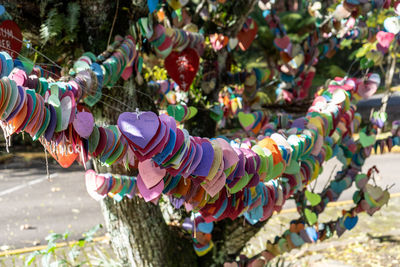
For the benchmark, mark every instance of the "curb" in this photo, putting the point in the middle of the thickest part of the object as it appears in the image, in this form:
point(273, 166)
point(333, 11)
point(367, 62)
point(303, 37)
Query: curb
point(35, 248)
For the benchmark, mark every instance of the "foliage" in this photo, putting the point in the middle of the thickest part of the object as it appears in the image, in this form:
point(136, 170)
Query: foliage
point(57, 23)
point(72, 258)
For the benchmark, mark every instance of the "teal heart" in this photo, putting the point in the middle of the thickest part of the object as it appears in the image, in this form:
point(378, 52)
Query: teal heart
point(338, 186)
point(296, 240)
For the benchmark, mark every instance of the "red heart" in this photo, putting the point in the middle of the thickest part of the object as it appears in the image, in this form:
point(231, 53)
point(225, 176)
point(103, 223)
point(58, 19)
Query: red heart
point(10, 38)
point(247, 36)
point(182, 67)
point(283, 42)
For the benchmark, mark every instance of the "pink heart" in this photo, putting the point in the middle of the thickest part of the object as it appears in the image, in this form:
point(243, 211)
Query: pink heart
point(150, 173)
point(283, 42)
point(149, 194)
point(384, 40)
point(139, 129)
point(83, 124)
point(93, 184)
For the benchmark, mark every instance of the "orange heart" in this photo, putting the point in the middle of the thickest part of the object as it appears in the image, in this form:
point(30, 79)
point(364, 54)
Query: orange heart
point(64, 153)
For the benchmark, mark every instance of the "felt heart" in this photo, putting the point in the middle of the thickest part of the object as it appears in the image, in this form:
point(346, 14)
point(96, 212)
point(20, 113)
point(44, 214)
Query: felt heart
point(312, 233)
point(338, 186)
point(392, 24)
point(12, 38)
point(384, 40)
point(232, 43)
point(350, 222)
point(151, 174)
point(247, 36)
point(83, 124)
point(182, 67)
point(152, 4)
point(296, 240)
point(205, 227)
point(361, 180)
point(314, 199)
point(93, 183)
point(64, 153)
point(366, 140)
point(139, 129)
point(192, 112)
point(246, 119)
point(149, 194)
point(310, 216)
point(177, 112)
point(283, 42)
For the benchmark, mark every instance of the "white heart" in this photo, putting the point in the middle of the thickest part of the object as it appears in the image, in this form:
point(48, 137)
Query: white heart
point(392, 25)
point(233, 42)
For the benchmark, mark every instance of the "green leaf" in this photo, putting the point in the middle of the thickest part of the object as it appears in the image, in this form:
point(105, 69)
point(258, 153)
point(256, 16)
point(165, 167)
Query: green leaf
point(88, 236)
point(310, 216)
point(366, 63)
point(31, 258)
point(314, 199)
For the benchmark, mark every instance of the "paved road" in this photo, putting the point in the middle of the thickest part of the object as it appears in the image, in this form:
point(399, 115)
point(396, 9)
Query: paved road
point(28, 198)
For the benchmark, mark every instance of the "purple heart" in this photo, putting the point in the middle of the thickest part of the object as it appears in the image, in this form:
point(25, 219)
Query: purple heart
point(139, 128)
point(22, 95)
point(206, 160)
point(299, 123)
point(305, 236)
point(196, 160)
point(83, 124)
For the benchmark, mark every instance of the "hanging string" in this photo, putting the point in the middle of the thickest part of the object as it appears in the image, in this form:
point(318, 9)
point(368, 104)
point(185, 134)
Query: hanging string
point(113, 24)
point(37, 51)
point(55, 74)
point(47, 164)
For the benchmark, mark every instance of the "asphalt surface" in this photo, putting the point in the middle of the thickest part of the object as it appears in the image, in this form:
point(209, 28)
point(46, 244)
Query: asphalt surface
point(31, 206)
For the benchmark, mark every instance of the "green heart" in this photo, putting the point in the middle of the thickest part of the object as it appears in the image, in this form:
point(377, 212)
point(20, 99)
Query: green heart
point(216, 113)
point(176, 111)
point(314, 199)
point(310, 216)
point(246, 119)
point(192, 112)
point(366, 140)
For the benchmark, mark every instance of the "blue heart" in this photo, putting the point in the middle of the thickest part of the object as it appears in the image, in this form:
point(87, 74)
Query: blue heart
point(152, 5)
point(205, 227)
point(350, 222)
point(312, 233)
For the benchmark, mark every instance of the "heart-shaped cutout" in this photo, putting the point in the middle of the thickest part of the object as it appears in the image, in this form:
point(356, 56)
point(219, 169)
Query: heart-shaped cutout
point(182, 67)
point(139, 129)
point(150, 173)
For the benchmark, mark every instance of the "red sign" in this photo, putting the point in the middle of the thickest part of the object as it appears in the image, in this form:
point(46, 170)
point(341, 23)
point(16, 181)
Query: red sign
point(10, 38)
